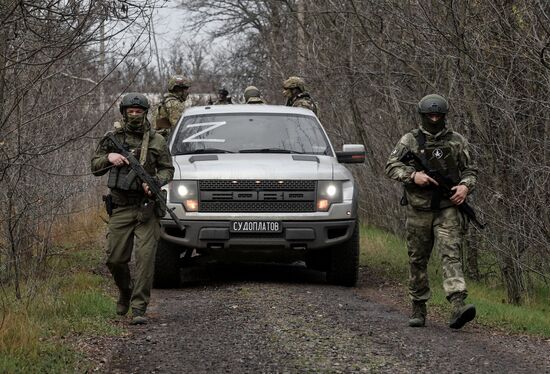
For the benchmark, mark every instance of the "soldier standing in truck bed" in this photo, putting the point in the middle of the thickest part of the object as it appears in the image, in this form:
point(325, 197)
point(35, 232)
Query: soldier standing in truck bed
point(168, 112)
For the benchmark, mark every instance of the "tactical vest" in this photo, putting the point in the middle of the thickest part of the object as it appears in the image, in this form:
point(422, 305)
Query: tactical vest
point(122, 178)
point(439, 157)
point(162, 120)
point(304, 96)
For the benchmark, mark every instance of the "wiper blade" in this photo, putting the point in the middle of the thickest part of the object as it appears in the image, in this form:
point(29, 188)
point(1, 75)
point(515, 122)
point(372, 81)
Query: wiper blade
point(207, 150)
point(269, 150)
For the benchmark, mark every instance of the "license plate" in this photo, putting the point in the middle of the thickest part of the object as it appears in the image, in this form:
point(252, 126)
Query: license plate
point(256, 226)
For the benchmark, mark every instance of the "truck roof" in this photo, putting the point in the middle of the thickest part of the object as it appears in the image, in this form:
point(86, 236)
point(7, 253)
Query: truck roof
point(246, 108)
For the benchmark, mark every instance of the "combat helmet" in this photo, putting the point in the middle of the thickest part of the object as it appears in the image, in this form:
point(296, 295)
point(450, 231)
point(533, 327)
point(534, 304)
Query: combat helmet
point(133, 99)
point(251, 91)
point(433, 104)
point(294, 82)
point(178, 81)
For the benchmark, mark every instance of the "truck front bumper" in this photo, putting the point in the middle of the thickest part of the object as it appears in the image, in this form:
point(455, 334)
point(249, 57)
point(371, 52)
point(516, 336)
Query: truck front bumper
point(299, 235)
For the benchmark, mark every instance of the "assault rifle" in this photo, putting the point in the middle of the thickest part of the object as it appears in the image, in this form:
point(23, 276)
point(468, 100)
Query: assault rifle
point(140, 172)
point(445, 186)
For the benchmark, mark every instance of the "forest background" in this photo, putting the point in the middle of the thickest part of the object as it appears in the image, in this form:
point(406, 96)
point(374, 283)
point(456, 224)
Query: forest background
point(64, 64)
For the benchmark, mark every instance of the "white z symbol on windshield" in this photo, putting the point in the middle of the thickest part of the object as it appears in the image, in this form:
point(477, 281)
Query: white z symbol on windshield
point(211, 126)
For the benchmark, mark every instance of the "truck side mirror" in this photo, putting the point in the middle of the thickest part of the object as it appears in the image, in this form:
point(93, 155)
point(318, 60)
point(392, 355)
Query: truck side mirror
point(351, 154)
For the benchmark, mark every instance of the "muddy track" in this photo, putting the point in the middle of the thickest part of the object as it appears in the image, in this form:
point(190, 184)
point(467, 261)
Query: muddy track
point(285, 319)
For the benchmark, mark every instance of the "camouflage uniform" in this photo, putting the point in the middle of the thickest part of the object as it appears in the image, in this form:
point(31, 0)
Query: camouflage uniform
point(303, 100)
point(134, 214)
point(253, 96)
point(169, 111)
point(433, 222)
point(299, 98)
point(223, 97)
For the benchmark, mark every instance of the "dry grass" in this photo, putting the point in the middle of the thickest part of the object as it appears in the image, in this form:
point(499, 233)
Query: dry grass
point(79, 228)
point(69, 298)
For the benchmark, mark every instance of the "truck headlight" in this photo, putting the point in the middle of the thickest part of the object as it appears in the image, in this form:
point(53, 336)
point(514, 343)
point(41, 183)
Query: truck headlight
point(328, 192)
point(186, 193)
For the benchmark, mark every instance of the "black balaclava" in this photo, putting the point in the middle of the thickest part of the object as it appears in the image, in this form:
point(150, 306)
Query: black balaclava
point(431, 126)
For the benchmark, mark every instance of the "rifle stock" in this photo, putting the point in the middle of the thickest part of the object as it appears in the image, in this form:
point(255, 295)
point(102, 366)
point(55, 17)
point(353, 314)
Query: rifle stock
point(445, 186)
point(140, 172)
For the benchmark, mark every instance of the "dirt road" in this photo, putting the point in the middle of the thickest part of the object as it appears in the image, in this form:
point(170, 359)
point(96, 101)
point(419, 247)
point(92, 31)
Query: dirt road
point(285, 319)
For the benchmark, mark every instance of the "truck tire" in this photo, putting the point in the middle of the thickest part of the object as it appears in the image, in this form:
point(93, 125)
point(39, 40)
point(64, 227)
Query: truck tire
point(167, 265)
point(344, 261)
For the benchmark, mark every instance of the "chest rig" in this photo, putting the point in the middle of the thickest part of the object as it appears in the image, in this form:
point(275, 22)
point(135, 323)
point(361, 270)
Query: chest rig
point(120, 178)
point(439, 157)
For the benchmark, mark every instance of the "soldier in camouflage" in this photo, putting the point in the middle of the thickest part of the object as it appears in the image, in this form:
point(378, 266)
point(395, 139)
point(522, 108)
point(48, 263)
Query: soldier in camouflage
point(434, 221)
point(133, 211)
point(294, 89)
point(172, 105)
point(253, 96)
point(223, 97)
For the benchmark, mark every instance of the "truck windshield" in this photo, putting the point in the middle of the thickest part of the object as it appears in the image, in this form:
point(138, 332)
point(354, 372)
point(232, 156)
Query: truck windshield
point(250, 133)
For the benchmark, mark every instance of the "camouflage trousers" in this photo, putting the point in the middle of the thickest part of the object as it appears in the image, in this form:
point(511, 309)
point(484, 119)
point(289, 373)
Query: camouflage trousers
point(123, 227)
point(441, 231)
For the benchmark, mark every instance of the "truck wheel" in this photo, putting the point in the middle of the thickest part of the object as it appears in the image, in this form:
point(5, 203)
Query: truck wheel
point(344, 261)
point(167, 265)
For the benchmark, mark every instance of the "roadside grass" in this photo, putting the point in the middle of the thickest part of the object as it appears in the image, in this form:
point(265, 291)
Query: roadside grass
point(37, 331)
point(386, 254)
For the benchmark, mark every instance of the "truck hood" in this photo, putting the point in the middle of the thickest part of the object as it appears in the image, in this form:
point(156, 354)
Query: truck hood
point(253, 166)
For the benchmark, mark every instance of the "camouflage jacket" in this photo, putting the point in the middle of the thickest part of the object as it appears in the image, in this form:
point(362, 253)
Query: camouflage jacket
point(444, 142)
point(255, 100)
point(167, 113)
point(303, 100)
point(158, 162)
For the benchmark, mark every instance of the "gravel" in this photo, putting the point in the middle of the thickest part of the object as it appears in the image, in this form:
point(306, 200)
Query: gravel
point(286, 319)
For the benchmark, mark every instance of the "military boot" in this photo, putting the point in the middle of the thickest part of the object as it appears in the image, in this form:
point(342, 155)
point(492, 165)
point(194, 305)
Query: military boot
point(462, 313)
point(418, 317)
point(123, 302)
point(138, 317)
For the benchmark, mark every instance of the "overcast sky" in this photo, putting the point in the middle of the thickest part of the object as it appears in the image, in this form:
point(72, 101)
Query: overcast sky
point(168, 24)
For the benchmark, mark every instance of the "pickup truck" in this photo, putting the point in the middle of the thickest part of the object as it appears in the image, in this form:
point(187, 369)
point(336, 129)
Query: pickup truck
point(260, 182)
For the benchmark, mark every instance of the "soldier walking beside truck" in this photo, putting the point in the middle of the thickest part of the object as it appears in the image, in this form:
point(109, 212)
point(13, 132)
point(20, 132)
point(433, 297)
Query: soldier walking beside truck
point(134, 210)
point(435, 217)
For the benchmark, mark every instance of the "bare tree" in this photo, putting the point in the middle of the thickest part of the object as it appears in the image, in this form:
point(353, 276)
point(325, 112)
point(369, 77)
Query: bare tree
point(369, 62)
point(53, 63)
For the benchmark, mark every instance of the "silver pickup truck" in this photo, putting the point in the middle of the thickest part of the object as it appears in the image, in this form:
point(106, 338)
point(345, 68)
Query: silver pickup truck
point(260, 182)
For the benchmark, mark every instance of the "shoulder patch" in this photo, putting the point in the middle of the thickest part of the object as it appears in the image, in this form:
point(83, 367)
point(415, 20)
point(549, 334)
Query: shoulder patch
point(117, 126)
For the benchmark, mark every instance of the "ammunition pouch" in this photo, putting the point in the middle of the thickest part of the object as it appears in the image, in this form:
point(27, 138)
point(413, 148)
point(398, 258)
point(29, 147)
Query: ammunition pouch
point(123, 178)
point(162, 123)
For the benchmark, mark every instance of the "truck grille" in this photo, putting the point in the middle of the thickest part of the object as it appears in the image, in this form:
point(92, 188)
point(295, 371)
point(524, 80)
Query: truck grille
point(262, 196)
point(233, 185)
